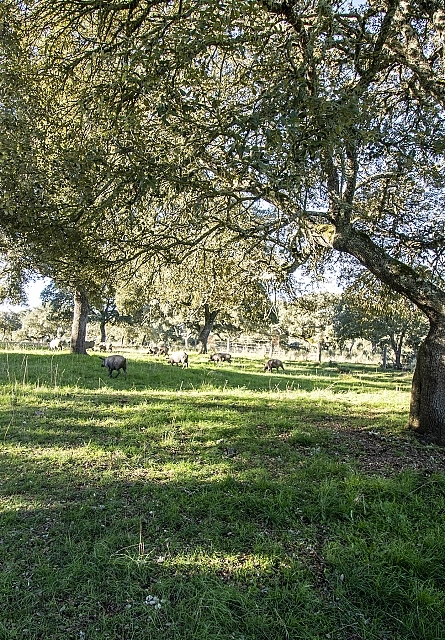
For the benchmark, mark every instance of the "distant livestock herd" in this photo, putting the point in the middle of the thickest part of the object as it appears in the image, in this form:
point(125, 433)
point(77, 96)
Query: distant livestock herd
point(58, 344)
point(118, 363)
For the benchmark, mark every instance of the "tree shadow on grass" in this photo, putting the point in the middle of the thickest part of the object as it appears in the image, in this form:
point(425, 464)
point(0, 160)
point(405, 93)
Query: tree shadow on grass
point(228, 552)
point(119, 415)
point(112, 418)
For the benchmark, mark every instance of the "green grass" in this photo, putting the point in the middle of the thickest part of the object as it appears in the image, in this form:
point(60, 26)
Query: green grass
point(215, 502)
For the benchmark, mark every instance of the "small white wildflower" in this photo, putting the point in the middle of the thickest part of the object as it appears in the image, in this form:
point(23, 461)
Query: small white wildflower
point(154, 601)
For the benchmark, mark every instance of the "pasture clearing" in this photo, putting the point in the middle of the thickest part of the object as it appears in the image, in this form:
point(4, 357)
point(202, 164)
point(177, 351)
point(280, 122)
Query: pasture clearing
point(215, 503)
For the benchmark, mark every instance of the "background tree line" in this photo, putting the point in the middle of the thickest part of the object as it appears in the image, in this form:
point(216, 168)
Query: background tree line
point(316, 325)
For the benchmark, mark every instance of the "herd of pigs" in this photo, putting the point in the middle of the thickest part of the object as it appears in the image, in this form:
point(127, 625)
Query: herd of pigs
point(119, 363)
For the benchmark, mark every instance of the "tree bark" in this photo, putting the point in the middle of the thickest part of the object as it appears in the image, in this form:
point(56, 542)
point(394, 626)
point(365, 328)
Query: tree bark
point(103, 333)
point(427, 409)
point(384, 357)
point(397, 348)
point(80, 318)
point(209, 319)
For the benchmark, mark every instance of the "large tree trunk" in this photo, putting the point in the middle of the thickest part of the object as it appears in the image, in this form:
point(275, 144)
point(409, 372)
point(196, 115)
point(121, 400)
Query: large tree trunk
point(80, 318)
point(427, 410)
point(209, 319)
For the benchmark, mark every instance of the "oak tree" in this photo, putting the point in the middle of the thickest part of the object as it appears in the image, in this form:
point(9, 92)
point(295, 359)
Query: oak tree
point(221, 281)
point(373, 311)
point(321, 122)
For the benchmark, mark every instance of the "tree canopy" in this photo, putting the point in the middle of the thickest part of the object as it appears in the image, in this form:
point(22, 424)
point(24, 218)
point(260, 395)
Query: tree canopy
point(330, 114)
point(221, 281)
point(370, 310)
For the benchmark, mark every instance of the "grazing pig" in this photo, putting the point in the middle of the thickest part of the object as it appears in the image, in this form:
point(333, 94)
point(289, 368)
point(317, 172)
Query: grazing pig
point(221, 357)
point(115, 363)
point(273, 363)
point(105, 346)
point(178, 357)
point(158, 350)
point(55, 344)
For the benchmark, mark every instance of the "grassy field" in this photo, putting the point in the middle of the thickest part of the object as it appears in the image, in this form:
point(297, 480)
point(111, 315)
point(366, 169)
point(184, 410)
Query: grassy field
point(215, 503)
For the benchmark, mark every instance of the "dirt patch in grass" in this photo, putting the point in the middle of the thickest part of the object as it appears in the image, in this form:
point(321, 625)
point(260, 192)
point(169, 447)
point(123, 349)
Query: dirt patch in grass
point(373, 452)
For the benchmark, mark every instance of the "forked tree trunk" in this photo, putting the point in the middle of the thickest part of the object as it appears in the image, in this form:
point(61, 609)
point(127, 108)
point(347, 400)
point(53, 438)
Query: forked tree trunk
point(397, 348)
point(80, 318)
point(427, 410)
point(209, 319)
